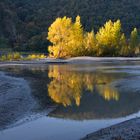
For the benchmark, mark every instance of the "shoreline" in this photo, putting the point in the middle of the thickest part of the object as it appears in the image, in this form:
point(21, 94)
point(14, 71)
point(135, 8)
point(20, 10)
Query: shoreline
point(126, 130)
point(17, 90)
point(71, 60)
point(14, 91)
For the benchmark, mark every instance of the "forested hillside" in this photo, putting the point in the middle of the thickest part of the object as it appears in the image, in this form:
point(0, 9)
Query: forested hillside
point(24, 24)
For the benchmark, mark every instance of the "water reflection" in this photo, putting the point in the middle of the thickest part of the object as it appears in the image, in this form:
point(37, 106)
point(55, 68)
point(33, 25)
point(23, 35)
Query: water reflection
point(80, 91)
point(87, 94)
point(67, 87)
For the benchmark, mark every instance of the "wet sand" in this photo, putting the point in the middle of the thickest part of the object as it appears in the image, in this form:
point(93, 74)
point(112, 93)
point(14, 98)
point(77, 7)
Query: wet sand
point(15, 99)
point(17, 102)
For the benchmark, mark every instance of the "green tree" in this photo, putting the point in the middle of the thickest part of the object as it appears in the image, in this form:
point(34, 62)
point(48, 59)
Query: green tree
point(3, 42)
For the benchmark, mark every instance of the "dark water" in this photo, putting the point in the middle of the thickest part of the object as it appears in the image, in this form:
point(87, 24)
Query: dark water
point(88, 97)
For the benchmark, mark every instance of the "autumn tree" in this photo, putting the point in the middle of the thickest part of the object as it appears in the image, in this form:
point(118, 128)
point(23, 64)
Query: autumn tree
point(108, 38)
point(66, 37)
point(90, 43)
point(58, 36)
point(134, 41)
point(69, 40)
point(124, 49)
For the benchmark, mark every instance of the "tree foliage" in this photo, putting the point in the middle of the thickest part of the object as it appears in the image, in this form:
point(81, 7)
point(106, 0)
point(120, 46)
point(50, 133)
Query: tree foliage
point(69, 39)
point(134, 41)
point(90, 43)
point(124, 49)
point(23, 20)
point(108, 38)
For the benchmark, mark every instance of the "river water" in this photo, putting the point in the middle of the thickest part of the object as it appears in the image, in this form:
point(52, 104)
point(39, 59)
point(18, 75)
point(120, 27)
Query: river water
point(85, 98)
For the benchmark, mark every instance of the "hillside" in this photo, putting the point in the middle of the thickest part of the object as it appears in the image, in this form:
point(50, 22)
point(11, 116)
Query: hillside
point(24, 24)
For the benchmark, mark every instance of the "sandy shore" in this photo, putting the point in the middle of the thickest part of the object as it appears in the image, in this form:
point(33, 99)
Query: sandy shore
point(102, 59)
point(15, 99)
point(71, 60)
point(17, 104)
point(129, 130)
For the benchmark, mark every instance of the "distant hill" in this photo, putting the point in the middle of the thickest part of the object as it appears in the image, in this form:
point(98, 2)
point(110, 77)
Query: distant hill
point(24, 24)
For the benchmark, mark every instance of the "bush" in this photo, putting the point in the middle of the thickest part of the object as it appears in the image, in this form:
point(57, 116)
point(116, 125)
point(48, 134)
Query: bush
point(11, 56)
point(35, 56)
point(17, 56)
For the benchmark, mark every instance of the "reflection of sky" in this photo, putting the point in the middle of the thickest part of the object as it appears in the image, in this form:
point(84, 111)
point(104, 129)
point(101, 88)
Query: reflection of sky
point(47, 128)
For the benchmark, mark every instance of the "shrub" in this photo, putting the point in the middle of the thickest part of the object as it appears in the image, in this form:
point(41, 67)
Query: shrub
point(35, 56)
point(11, 56)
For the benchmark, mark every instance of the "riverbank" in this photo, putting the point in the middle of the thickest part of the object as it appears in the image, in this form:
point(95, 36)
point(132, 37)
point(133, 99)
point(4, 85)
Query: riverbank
point(17, 103)
point(15, 99)
point(71, 60)
point(129, 130)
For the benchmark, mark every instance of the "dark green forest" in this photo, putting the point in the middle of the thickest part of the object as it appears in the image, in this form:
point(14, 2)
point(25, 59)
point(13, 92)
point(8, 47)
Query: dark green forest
point(24, 23)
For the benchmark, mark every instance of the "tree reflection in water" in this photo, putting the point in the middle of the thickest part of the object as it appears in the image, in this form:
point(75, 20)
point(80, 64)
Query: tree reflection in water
point(82, 92)
point(67, 86)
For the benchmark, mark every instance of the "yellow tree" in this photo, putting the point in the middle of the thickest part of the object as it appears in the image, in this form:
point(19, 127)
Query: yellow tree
point(124, 49)
point(66, 37)
point(76, 47)
point(133, 41)
point(90, 43)
point(58, 32)
point(108, 38)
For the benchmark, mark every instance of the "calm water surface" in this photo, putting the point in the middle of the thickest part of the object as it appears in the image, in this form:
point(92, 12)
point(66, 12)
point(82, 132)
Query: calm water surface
point(88, 97)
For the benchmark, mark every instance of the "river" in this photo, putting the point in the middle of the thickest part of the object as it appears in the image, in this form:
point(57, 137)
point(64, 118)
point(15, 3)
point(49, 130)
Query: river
point(68, 101)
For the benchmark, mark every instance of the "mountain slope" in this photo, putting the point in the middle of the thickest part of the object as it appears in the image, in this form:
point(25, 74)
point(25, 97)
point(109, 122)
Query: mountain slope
point(24, 24)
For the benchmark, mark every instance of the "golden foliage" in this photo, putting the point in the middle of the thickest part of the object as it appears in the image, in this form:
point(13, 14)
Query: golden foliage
point(90, 43)
point(134, 41)
point(68, 39)
point(11, 57)
point(66, 36)
point(67, 86)
point(108, 38)
point(35, 56)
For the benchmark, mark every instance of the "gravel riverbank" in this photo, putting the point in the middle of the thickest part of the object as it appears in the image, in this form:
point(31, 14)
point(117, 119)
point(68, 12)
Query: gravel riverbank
point(15, 99)
point(129, 130)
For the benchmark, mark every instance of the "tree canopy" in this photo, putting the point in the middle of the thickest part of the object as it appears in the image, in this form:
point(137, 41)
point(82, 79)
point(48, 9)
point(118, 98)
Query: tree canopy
point(69, 39)
point(23, 23)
